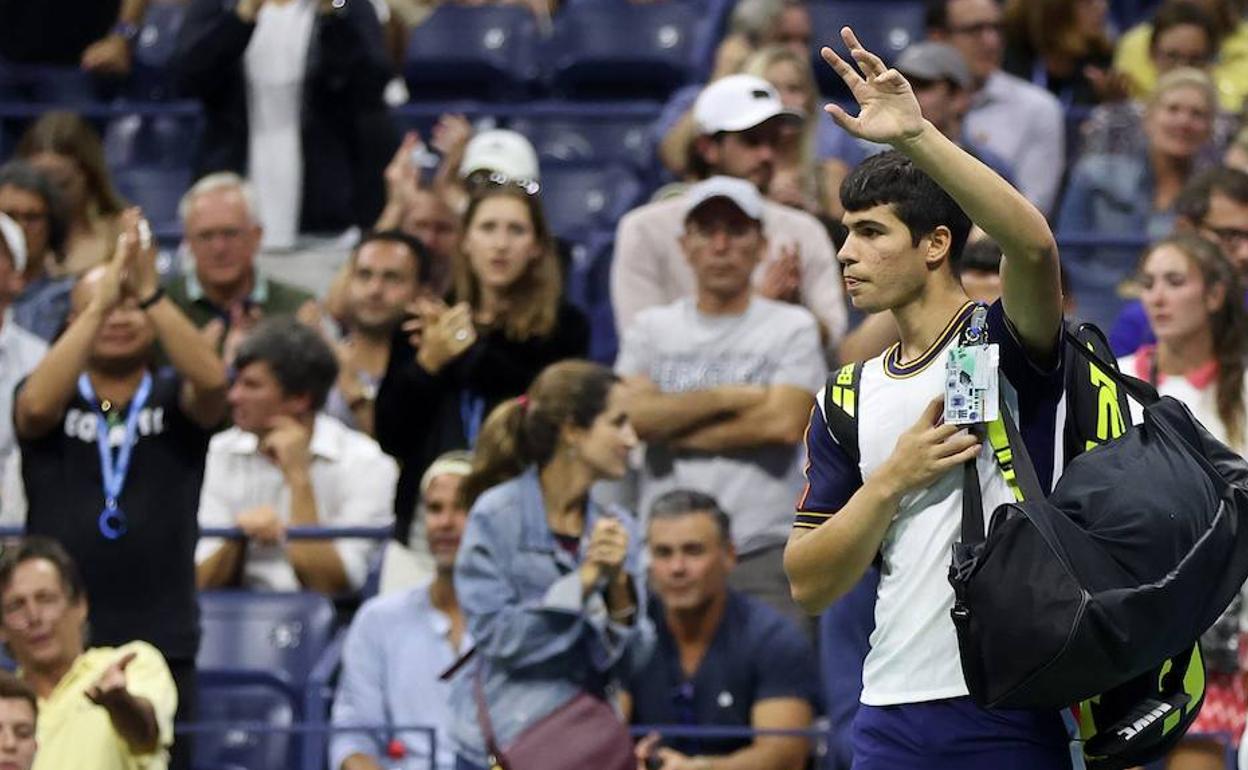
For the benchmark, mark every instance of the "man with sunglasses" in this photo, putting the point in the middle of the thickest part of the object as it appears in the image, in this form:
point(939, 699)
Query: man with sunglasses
point(1214, 205)
point(1019, 121)
point(738, 120)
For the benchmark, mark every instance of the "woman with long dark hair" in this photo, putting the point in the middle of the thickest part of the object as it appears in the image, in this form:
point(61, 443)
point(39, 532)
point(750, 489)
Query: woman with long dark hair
point(454, 364)
point(549, 581)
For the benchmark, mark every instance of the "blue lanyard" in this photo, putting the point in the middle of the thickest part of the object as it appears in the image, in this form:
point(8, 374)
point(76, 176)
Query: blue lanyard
point(471, 413)
point(112, 519)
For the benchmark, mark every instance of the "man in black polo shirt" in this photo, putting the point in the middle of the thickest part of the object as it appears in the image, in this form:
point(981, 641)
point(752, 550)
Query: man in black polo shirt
point(126, 514)
point(722, 658)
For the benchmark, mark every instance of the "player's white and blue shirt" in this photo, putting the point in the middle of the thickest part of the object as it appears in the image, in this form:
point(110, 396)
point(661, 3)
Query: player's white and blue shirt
point(914, 651)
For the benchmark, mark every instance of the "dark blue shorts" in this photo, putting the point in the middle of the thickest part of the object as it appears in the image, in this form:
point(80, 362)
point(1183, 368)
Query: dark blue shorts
point(956, 734)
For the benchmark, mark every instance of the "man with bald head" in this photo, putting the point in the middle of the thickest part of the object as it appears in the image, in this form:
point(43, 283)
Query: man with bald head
point(113, 452)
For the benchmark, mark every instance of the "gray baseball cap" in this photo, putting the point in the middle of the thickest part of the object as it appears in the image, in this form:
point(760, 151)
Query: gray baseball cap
point(934, 61)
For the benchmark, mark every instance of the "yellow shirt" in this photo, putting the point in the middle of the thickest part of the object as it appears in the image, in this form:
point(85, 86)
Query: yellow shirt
point(1230, 72)
point(74, 733)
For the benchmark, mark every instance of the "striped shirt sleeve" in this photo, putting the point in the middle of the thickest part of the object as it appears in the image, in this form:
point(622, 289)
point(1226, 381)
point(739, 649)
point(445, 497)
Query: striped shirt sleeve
point(832, 477)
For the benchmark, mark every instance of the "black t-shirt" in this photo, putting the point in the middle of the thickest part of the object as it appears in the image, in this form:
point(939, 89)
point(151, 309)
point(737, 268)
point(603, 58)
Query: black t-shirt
point(141, 585)
point(53, 31)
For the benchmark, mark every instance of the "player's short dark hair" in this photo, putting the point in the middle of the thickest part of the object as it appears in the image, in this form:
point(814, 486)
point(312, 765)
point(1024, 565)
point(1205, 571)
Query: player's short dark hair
point(892, 179)
point(298, 356)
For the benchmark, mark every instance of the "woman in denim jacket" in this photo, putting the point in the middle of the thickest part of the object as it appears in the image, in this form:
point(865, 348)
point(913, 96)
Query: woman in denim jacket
point(548, 581)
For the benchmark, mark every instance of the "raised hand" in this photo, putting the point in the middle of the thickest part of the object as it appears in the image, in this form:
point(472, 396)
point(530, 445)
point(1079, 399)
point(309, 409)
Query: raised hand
point(402, 176)
point(110, 687)
point(887, 110)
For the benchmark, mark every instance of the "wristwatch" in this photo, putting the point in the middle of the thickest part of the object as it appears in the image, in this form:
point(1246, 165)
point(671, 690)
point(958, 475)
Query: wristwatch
point(127, 31)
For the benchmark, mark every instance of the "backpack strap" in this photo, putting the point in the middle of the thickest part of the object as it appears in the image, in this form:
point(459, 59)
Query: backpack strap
point(840, 407)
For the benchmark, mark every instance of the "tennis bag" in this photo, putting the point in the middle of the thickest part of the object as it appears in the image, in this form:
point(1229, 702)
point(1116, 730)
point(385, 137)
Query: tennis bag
point(1098, 593)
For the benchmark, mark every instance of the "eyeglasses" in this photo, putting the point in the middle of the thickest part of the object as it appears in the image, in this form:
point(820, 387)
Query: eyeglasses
point(981, 28)
point(228, 234)
point(483, 179)
point(1229, 237)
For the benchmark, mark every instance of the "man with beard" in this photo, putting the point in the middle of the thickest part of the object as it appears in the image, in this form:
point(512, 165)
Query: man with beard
point(738, 120)
point(387, 272)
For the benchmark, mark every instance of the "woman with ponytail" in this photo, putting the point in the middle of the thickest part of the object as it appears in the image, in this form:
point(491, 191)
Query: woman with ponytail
point(549, 582)
point(1195, 303)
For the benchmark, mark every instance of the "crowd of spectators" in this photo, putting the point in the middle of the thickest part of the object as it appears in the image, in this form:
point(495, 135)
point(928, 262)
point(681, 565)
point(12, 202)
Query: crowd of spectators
point(149, 394)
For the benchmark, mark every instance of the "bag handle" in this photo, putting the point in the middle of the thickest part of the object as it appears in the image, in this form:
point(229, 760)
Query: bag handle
point(1143, 393)
point(496, 759)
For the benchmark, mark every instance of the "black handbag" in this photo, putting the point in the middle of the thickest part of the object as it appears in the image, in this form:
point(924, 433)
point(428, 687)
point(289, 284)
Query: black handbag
point(1096, 594)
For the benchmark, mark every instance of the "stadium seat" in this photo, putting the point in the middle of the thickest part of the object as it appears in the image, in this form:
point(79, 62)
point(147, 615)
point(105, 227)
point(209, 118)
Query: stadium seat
point(589, 139)
point(274, 636)
point(160, 140)
point(238, 745)
point(485, 52)
point(626, 50)
point(157, 190)
point(154, 50)
point(886, 28)
point(581, 198)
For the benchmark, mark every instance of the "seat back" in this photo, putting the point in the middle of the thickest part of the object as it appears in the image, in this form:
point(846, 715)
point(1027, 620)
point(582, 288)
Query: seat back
point(885, 28)
point(238, 709)
point(278, 634)
point(157, 190)
point(632, 50)
point(589, 139)
point(579, 198)
point(479, 51)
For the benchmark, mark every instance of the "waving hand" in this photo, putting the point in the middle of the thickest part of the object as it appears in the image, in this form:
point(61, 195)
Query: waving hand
point(888, 112)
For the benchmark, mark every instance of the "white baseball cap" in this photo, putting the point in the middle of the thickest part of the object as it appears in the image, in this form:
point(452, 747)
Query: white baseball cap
point(743, 194)
point(738, 103)
point(502, 151)
point(15, 239)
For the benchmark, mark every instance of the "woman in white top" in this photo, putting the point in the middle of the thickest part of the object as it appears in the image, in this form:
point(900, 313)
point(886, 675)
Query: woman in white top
point(1195, 304)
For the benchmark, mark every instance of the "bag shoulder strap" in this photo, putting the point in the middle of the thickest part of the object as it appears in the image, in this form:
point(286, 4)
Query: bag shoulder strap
point(840, 407)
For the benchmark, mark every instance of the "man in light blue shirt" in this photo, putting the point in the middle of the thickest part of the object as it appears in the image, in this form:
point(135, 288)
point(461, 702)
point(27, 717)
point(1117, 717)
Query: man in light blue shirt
point(399, 644)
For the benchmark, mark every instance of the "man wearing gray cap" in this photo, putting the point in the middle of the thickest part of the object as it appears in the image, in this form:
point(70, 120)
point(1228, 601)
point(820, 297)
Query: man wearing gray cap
point(738, 119)
point(723, 382)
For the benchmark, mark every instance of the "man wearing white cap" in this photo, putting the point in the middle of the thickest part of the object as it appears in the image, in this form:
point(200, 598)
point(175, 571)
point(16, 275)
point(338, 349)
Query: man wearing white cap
point(20, 350)
point(738, 121)
point(724, 381)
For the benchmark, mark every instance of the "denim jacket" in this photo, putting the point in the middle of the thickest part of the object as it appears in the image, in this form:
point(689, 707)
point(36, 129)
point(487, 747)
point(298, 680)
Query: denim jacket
point(539, 643)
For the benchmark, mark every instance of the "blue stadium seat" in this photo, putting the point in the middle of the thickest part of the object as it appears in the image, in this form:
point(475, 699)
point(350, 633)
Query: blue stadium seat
point(589, 289)
point(886, 28)
point(237, 746)
point(589, 139)
point(154, 50)
point(581, 198)
point(162, 140)
point(274, 636)
point(486, 52)
point(157, 190)
point(625, 50)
